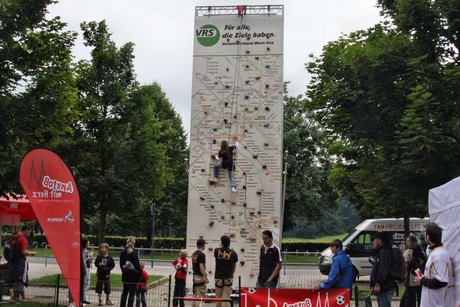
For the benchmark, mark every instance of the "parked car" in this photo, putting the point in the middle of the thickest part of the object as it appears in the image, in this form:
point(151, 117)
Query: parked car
point(358, 243)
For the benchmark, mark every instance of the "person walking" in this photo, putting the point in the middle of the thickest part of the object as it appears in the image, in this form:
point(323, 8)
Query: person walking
point(270, 262)
point(382, 284)
point(130, 272)
point(226, 259)
point(18, 275)
point(341, 274)
point(438, 271)
point(200, 277)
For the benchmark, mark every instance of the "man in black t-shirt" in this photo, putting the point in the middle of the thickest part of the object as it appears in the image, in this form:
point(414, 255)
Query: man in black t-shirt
point(270, 262)
point(200, 278)
point(226, 259)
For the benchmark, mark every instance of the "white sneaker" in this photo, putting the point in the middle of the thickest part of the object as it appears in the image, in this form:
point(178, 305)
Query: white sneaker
point(234, 190)
point(213, 180)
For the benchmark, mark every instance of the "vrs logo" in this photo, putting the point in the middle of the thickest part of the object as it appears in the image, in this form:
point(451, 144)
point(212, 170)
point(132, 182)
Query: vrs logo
point(208, 35)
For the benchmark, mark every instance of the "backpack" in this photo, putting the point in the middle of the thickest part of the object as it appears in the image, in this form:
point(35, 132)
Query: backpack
point(8, 251)
point(397, 269)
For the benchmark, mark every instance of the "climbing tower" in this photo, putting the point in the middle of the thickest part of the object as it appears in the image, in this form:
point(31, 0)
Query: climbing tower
point(237, 91)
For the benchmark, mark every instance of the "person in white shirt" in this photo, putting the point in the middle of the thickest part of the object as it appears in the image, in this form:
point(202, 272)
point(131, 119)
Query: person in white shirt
point(438, 269)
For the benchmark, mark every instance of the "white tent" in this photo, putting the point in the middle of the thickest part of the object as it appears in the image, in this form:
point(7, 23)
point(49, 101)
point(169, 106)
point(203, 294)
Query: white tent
point(444, 210)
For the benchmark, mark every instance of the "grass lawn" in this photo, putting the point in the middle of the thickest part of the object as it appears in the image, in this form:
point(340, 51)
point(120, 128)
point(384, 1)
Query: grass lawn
point(325, 239)
point(115, 279)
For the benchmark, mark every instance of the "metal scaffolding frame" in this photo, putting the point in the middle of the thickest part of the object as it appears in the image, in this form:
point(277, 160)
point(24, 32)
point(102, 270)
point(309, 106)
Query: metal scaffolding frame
point(240, 10)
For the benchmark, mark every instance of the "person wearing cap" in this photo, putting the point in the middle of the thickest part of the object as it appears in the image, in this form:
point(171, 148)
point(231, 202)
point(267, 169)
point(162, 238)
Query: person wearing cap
point(436, 290)
point(382, 284)
point(270, 262)
point(200, 277)
point(341, 274)
point(226, 259)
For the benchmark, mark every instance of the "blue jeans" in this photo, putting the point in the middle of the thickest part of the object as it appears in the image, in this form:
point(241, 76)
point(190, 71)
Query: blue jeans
point(384, 297)
point(265, 284)
point(230, 173)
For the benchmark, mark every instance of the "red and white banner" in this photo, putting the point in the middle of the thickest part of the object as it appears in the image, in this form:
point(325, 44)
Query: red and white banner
point(52, 192)
point(256, 297)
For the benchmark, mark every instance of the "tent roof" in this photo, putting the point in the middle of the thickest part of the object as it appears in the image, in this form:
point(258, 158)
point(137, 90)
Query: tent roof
point(20, 207)
point(444, 197)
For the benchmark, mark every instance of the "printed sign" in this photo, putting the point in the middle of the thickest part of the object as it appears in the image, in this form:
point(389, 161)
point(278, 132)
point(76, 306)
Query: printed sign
point(52, 192)
point(257, 297)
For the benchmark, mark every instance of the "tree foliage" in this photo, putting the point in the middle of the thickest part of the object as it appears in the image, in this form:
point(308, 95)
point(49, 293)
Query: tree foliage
point(388, 98)
point(37, 85)
point(308, 193)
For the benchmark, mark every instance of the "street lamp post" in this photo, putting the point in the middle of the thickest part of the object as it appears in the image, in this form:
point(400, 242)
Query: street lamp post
point(152, 211)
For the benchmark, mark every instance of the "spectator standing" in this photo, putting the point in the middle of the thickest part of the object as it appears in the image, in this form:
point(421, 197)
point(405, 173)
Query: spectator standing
point(226, 259)
point(130, 272)
point(414, 258)
point(104, 264)
point(141, 287)
point(341, 274)
point(382, 284)
point(270, 262)
point(18, 274)
point(200, 277)
point(181, 266)
point(88, 260)
point(438, 270)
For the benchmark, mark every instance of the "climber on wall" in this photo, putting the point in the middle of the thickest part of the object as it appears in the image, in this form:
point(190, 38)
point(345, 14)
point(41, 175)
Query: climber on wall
point(225, 160)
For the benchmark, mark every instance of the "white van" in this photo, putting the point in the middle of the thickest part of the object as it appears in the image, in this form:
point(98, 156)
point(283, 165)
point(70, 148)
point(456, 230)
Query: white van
point(358, 243)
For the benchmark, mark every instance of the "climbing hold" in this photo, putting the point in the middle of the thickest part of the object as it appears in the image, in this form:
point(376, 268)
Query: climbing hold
point(213, 156)
point(268, 48)
point(258, 212)
point(227, 86)
point(267, 109)
point(214, 129)
point(202, 169)
point(275, 221)
point(265, 144)
point(259, 192)
point(246, 130)
point(267, 86)
point(222, 200)
point(246, 97)
point(255, 156)
point(227, 69)
point(267, 66)
point(266, 125)
point(252, 213)
point(257, 78)
point(248, 52)
point(211, 224)
point(244, 173)
point(242, 250)
point(257, 58)
point(244, 187)
point(256, 108)
point(245, 204)
point(232, 235)
point(214, 142)
point(212, 206)
point(242, 262)
point(205, 113)
point(222, 217)
point(264, 166)
point(226, 103)
point(247, 81)
point(251, 275)
point(216, 83)
point(201, 197)
point(247, 66)
point(233, 203)
point(235, 116)
point(225, 121)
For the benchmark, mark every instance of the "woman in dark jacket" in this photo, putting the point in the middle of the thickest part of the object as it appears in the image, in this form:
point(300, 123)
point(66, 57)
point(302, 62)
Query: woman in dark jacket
point(130, 272)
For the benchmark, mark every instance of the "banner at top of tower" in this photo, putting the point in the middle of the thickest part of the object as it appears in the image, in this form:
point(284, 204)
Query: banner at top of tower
point(232, 34)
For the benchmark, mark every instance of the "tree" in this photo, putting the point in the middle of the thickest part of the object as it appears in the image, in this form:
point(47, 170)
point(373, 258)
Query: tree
point(308, 193)
point(388, 99)
point(120, 164)
point(37, 87)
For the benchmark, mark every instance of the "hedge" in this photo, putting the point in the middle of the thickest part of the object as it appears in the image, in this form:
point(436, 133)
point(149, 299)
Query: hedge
point(175, 243)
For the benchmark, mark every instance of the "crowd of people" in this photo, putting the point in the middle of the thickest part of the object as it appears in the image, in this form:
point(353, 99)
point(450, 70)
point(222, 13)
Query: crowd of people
point(426, 281)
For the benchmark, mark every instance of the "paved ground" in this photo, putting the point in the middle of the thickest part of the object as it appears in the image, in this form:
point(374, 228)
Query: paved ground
point(158, 294)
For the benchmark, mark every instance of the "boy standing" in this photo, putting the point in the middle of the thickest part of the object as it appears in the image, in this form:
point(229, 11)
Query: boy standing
point(104, 263)
point(141, 287)
point(181, 266)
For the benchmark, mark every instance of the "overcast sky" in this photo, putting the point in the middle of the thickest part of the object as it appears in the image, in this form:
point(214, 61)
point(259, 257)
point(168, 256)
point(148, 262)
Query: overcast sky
point(162, 32)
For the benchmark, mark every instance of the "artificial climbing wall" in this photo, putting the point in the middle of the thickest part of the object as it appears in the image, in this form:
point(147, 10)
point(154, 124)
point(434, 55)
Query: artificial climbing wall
point(237, 91)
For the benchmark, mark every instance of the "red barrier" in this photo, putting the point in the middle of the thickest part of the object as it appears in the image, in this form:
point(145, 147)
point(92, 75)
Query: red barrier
point(252, 297)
